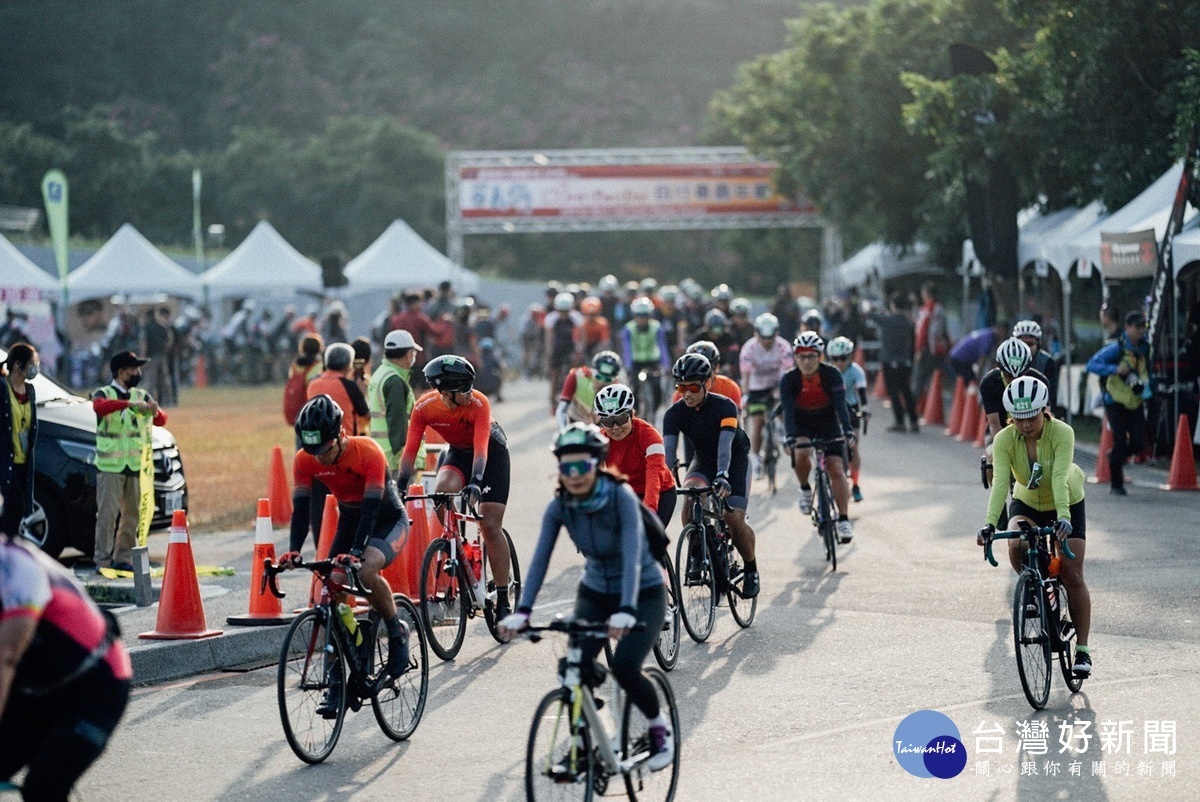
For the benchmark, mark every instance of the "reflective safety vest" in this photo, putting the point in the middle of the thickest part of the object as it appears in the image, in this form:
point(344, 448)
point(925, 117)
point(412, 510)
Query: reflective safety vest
point(585, 394)
point(121, 437)
point(644, 344)
point(378, 428)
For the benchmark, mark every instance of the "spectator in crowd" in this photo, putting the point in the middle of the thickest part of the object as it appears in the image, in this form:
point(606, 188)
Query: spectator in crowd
point(443, 304)
point(18, 414)
point(337, 381)
point(1110, 322)
point(970, 355)
point(335, 326)
point(412, 318)
point(157, 339)
point(785, 309)
point(897, 335)
point(13, 330)
point(1123, 368)
point(932, 338)
point(362, 362)
point(390, 396)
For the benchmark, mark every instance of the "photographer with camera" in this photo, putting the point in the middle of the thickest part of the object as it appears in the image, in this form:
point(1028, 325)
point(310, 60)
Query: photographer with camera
point(1123, 368)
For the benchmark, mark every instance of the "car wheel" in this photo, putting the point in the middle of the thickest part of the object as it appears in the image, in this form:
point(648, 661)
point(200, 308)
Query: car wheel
point(56, 528)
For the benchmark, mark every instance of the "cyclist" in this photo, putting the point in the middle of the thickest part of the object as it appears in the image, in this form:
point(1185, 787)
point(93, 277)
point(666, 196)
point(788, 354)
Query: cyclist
point(621, 581)
point(716, 331)
point(765, 358)
point(581, 386)
point(1013, 359)
point(476, 462)
point(1038, 451)
point(840, 351)
point(561, 326)
point(1030, 333)
point(644, 348)
point(635, 449)
point(709, 421)
point(372, 525)
point(722, 384)
point(64, 673)
point(741, 328)
point(813, 398)
point(595, 333)
point(673, 319)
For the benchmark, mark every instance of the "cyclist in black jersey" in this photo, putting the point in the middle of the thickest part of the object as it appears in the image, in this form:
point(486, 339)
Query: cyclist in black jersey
point(722, 451)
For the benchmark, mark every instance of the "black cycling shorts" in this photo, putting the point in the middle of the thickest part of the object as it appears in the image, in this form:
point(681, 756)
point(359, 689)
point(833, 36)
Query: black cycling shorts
point(1047, 518)
point(497, 472)
point(739, 477)
point(759, 401)
point(389, 535)
point(821, 424)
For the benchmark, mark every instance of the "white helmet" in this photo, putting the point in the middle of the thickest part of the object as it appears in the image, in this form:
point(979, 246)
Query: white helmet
point(1026, 397)
point(641, 306)
point(1013, 357)
point(766, 324)
point(721, 292)
point(739, 306)
point(669, 293)
point(609, 283)
point(808, 341)
point(564, 301)
point(1027, 328)
point(613, 400)
point(839, 346)
point(648, 285)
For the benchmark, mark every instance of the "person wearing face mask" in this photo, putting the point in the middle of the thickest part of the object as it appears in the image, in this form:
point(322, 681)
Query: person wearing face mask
point(18, 412)
point(125, 414)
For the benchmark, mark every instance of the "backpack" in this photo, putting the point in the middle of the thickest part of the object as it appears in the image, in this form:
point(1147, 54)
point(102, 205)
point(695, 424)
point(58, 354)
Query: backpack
point(656, 534)
point(295, 395)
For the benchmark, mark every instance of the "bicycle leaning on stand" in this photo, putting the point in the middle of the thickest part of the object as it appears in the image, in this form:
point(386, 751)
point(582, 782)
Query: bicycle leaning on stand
point(1042, 623)
point(321, 651)
point(571, 753)
point(708, 566)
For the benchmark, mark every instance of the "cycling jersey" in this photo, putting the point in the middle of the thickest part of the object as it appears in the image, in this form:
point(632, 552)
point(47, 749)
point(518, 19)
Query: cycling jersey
point(721, 446)
point(579, 391)
point(640, 456)
point(854, 380)
point(802, 397)
point(645, 346)
point(762, 367)
point(467, 426)
point(1060, 485)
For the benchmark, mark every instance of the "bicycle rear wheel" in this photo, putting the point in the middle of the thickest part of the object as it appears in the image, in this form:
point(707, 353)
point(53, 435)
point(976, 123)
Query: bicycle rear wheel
point(696, 584)
point(443, 607)
point(743, 610)
point(770, 459)
point(1032, 639)
point(399, 702)
point(640, 782)
point(514, 586)
point(1067, 637)
point(309, 662)
point(558, 759)
point(666, 648)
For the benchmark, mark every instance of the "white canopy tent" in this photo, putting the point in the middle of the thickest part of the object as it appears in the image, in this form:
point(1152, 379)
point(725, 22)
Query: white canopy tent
point(264, 264)
point(18, 273)
point(128, 264)
point(1038, 236)
point(879, 262)
point(1186, 246)
point(401, 259)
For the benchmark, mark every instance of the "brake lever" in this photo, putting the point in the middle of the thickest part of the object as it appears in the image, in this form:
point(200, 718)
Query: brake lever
point(269, 573)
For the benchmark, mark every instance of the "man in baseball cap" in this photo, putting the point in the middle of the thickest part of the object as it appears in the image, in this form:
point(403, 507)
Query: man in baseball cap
point(390, 395)
point(123, 360)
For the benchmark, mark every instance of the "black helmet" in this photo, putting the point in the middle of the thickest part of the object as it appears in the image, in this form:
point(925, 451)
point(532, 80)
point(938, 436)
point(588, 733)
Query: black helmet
point(450, 373)
point(692, 368)
point(581, 436)
point(607, 365)
point(708, 350)
point(319, 422)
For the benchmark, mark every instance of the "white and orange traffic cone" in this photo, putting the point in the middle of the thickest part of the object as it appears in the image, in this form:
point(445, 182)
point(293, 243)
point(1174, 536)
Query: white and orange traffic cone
point(180, 611)
point(265, 609)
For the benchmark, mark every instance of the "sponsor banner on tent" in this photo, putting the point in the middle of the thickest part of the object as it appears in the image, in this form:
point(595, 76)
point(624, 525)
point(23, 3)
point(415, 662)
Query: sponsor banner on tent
point(1128, 255)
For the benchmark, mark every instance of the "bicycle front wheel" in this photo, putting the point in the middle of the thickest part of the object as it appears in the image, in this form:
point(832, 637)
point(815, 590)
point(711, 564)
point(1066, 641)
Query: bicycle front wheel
point(514, 586)
point(443, 607)
point(399, 702)
point(640, 782)
point(1032, 639)
point(666, 648)
point(770, 458)
point(558, 760)
point(310, 664)
point(1067, 637)
point(696, 584)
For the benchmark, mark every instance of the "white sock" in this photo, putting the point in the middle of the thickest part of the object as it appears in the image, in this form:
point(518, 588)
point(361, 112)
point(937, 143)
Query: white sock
point(661, 720)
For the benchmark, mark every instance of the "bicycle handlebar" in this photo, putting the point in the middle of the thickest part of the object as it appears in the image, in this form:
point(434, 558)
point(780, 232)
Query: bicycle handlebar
point(705, 490)
point(322, 568)
point(1026, 532)
point(573, 626)
point(443, 499)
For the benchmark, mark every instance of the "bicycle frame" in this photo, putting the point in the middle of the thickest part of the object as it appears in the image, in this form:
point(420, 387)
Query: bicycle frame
point(454, 529)
point(1035, 538)
point(818, 446)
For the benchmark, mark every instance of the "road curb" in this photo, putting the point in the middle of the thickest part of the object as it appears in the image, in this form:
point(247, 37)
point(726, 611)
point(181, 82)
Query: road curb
point(162, 661)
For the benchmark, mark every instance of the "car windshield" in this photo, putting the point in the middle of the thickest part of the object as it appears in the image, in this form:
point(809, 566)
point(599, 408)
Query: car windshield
point(47, 389)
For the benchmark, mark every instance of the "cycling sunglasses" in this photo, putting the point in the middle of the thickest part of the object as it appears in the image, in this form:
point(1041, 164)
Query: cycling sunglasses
point(611, 421)
point(839, 359)
point(689, 388)
point(578, 467)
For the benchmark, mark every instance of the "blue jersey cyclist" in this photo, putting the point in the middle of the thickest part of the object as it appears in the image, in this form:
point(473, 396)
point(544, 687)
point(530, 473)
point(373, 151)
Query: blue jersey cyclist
point(840, 353)
point(722, 452)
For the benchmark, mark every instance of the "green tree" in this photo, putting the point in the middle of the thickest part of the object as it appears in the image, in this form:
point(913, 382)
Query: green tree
point(25, 156)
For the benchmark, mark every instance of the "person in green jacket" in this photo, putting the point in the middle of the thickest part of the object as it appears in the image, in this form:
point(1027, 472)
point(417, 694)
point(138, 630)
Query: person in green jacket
point(390, 396)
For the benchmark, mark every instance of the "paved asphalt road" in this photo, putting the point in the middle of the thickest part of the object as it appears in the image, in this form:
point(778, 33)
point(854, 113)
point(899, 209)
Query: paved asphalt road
point(805, 704)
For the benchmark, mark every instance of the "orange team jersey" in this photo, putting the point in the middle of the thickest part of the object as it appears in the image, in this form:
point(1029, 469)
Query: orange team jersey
point(641, 457)
point(812, 395)
point(722, 385)
point(594, 330)
point(360, 471)
point(463, 427)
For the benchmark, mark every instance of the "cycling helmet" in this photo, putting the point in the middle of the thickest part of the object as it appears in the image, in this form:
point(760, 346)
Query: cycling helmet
point(669, 293)
point(1026, 397)
point(692, 367)
point(613, 400)
point(466, 302)
point(564, 301)
point(1013, 357)
point(553, 287)
point(607, 365)
point(808, 341)
point(580, 436)
point(839, 346)
point(450, 373)
point(648, 285)
point(319, 423)
point(590, 306)
point(609, 283)
point(812, 319)
point(739, 306)
point(721, 292)
point(641, 307)
point(715, 319)
point(573, 288)
point(1027, 328)
point(707, 350)
point(766, 324)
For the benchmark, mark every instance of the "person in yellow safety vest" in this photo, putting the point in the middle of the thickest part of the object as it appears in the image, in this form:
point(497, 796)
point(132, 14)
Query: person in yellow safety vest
point(124, 461)
point(581, 385)
point(390, 396)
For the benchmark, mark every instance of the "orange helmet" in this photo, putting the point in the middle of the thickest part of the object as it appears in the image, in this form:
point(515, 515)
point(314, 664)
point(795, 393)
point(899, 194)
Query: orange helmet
point(590, 306)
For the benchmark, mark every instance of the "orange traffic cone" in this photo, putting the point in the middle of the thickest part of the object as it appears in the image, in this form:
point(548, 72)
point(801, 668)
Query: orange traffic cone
point(956, 407)
point(281, 497)
point(880, 389)
point(934, 412)
point(180, 611)
point(1103, 469)
point(265, 609)
point(859, 359)
point(970, 417)
point(420, 515)
point(200, 373)
point(981, 432)
point(1183, 462)
point(329, 525)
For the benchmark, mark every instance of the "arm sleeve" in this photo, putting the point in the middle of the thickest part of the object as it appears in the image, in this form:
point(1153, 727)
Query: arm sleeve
point(626, 348)
point(746, 362)
point(536, 573)
point(655, 462)
point(568, 389)
point(560, 413)
point(837, 392)
point(357, 399)
point(395, 401)
point(1001, 473)
point(670, 440)
point(1064, 456)
point(633, 540)
point(300, 518)
point(787, 405)
point(725, 449)
point(664, 353)
point(862, 398)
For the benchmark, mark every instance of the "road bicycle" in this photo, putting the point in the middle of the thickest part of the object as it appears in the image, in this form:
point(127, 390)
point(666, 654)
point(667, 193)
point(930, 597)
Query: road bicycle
point(1042, 624)
point(571, 753)
point(666, 648)
point(710, 566)
point(320, 651)
point(824, 509)
point(771, 446)
point(647, 390)
point(456, 577)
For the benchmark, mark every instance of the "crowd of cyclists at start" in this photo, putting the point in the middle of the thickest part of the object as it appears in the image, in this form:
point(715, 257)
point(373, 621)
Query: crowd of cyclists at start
point(68, 685)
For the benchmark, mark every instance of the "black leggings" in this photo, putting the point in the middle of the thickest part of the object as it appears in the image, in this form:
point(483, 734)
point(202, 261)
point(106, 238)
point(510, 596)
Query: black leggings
point(632, 649)
point(60, 735)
